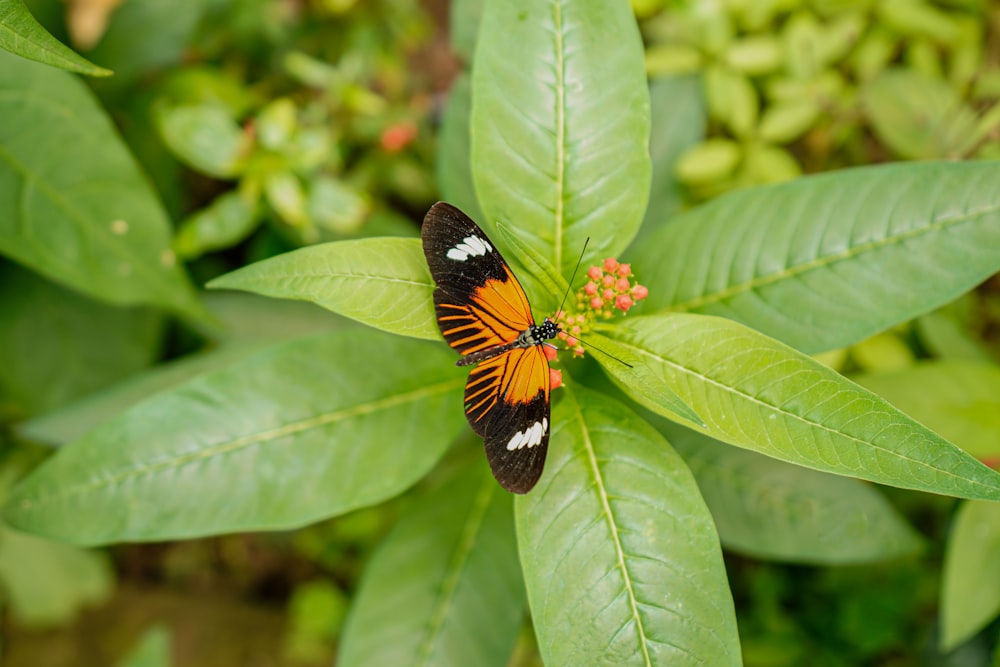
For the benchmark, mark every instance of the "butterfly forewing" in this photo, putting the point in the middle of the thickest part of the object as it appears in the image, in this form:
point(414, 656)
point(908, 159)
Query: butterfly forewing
point(480, 305)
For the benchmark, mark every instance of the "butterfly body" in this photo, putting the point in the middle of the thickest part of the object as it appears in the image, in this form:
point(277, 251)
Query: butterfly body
point(484, 315)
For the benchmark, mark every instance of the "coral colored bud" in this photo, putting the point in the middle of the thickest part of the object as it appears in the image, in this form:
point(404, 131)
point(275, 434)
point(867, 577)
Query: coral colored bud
point(596, 303)
point(397, 136)
point(639, 292)
point(625, 270)
point(590, 289)
point(608, 294)
point(610, 264)
point(550, 353)
point(623, 302)
point(581, 319)
point(622, 284)
point(559, 315)
point(572, 342)
point(561, 335)
point(595, 273)
point(555, 378)
point(578, 350)
point(575, 330)
point(608, 281)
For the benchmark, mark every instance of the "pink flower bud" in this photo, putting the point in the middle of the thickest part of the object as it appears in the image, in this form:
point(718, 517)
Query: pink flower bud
point(625, 270)
point(555, 378)
point(596, 303)
point(608, 294)
point(572, 342)
point(590, 289)
point(595, 273)
point(608, 281)
point(639, 292)
point(610, 264)
point(550, 353)
point(622, 284)
point(623, 302)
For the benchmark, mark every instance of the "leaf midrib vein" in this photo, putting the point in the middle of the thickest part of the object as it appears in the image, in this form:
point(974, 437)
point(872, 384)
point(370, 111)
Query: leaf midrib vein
point(785, 413)
point(602, 493)
point(231, 446)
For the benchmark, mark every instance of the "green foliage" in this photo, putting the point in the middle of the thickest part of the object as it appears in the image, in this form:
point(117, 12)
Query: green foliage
point(797, 86)
point(444, 587)
point(283, 143)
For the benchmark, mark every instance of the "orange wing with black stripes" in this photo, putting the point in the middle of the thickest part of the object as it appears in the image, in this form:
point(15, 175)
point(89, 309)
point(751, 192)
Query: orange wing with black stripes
point(484, 314)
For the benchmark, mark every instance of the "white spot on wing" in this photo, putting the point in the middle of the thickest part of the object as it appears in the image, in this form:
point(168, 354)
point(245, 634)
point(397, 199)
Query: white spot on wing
point(529, 437)
point(470, 246)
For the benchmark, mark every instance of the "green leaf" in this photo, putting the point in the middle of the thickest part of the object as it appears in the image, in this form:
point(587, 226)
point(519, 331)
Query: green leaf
point(454, 167)
point(250, 324)
point(644, 383)
point(757, 393)
point(732, 99)
point(550, 156)
point(57, 346)
point(21, 34)
point(48, 583)
point(826, 261)
point(711, 160)
point(920, 117)
point(970, 590)
point(205, 137)
point(678, 115)
point(619, 553)
point(777, 511)
point(75, 420)
point(445, 587)
point(960, 400)
point(229, 219)
point(152, 649)
point(302, 431)
point(74, 206)
point(384, 283)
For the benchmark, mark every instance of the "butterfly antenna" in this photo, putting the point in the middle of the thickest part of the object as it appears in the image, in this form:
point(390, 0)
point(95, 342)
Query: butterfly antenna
point(569, 285)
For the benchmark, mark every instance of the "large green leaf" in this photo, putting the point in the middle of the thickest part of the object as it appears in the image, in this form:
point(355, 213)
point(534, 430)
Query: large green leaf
point(757, 393)
point(445, 587)
point(775, 510)
point(970, 591)
point(454, 168)
point(619, 552)
point(382, 282)
point(74, 206)
point(20, 33)
point(960, 400)
point(825, 261)
point(57, 346)
point(302, 431)
point(560, 124)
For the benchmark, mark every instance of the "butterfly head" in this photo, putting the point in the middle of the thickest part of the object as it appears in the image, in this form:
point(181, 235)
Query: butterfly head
point(547, 330)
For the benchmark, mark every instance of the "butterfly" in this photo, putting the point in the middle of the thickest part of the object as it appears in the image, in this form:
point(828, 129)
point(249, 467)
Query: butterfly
point(483, 314)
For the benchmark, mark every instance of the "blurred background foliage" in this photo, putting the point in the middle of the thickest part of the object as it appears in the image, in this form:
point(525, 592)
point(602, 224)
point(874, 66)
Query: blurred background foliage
point(266, 125)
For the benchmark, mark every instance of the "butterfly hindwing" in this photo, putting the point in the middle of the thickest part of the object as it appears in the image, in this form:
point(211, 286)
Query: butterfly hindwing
point(480, 305)
point(507, 404)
